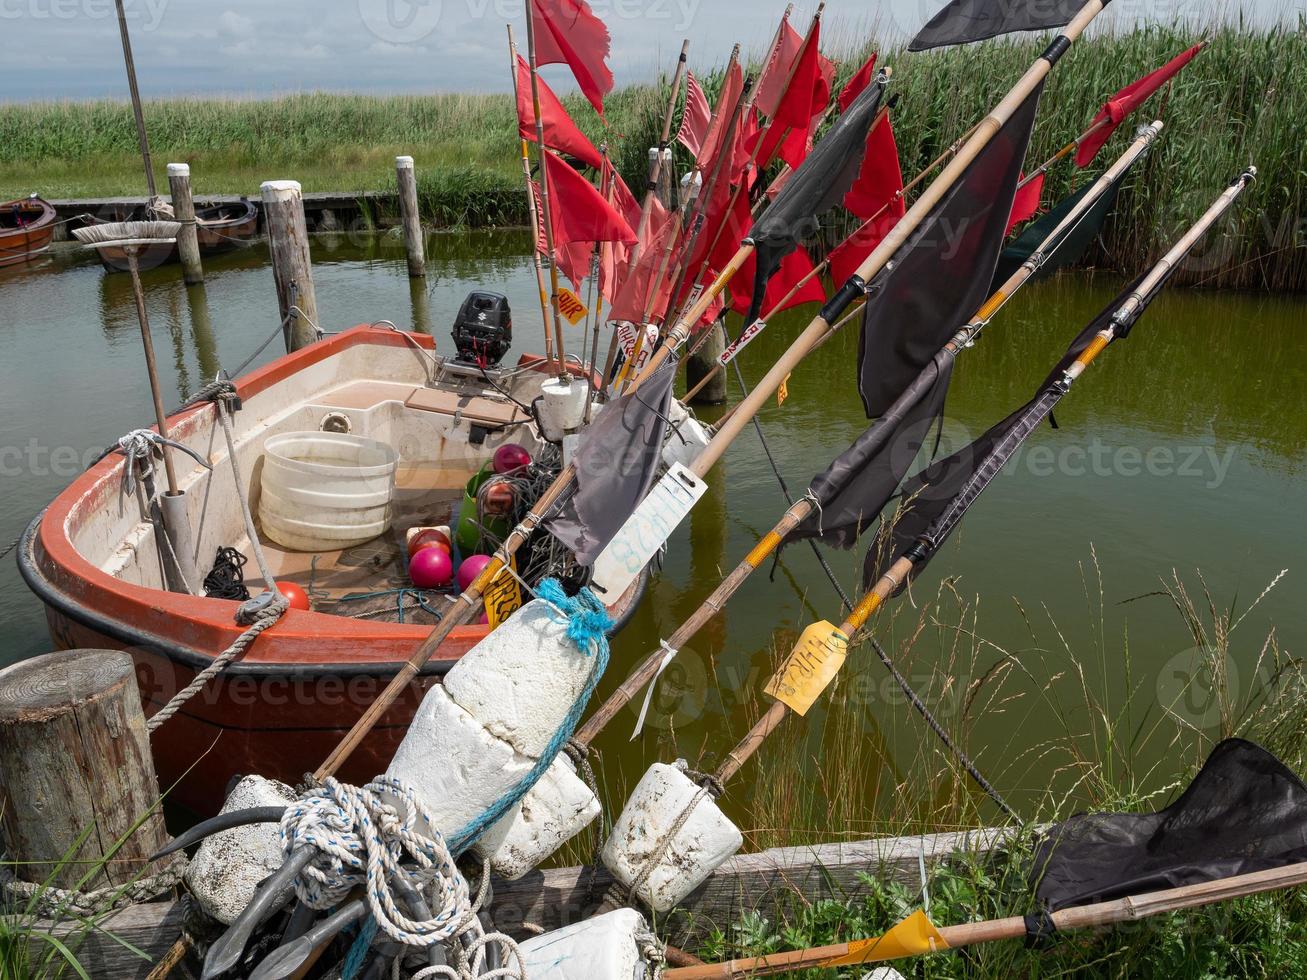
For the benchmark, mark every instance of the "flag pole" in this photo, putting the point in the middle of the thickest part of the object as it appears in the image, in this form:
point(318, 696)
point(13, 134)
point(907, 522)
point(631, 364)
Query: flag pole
point(656, 168)
point(1095, 916)
point(545, 214)
point(803, 508)
point(898, 573)
point(1064, 152)
point(468, 603)
point(606, 189)
point(531, 204)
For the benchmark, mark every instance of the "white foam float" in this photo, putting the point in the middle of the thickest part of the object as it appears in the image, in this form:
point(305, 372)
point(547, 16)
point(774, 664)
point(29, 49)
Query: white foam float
point(607, 947)
point(228, 866)
point(641, 838)
point(686, 436)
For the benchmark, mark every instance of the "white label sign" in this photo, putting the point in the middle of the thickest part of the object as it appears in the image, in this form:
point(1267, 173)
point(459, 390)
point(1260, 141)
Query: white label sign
point(645, 531)
point(728, 355)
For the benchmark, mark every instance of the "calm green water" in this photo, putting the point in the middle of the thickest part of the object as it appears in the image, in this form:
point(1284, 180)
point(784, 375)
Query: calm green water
point(1182, 449)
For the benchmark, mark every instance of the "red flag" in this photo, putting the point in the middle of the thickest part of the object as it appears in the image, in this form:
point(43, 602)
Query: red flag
point(639, 291)
point(794, 267)
point(561, 133)
point(880, 181)
point(579, 212)
point(853, 251)
point(732, 89)
point(567, 32)
point(573, 259)
point(696, 118)
point(1127, 101)
point(770, 88)
point(861, 79)
point(1026, 203)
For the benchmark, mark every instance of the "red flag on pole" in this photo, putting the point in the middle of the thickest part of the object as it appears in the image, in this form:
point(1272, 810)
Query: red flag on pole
point(794, 267)
point(860, 80)
point(1127, 101)
point(732, 89)
point(880, 181)
point(847, 256)
point(567, 32)
point(696, 118)
point(770, 88)
point(572, 259)
point(561, 133)
point(642, 289)
point(1026, 203)
point(579, 213)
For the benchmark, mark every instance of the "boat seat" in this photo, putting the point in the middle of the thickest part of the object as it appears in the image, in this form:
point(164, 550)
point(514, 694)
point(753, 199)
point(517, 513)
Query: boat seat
point(365, 394)
point(487, 411)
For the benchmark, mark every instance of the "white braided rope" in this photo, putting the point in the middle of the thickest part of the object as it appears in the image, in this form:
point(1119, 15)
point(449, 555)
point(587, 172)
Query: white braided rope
point(375, 835)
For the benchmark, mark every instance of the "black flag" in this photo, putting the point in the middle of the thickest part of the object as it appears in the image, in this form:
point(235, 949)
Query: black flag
point(964, 21)
point(817, 186)
point(941, 274)
point(615, 466)
point(1245, 811)
point(1069, 246)
point(855, 488)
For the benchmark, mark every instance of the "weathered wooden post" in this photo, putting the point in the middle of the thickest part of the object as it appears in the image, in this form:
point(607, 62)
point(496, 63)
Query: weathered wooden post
point(288, 245)
point(664, 186)
point(703, 361)
point(74, 755)
point(406, 177)
point(183, 209)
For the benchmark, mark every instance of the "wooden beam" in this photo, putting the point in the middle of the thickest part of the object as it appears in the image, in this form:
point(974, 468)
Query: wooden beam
point(770, 882)
point(151, 928)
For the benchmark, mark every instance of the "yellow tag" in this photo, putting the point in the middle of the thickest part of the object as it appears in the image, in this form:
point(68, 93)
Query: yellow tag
point(817, 658)
point(783, 392)
point(570, 306)
point(503, 596)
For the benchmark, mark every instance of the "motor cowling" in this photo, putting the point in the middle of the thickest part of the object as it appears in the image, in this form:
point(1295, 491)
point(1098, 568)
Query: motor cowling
point(483, 329)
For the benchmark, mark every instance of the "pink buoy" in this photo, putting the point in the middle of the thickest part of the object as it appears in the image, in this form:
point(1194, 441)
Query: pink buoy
point(510, 457)
point(431, 567)
point(470, 569)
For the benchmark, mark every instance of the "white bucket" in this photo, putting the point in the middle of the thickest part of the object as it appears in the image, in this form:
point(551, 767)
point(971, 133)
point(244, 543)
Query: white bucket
point(562, 407)
point(323, 491)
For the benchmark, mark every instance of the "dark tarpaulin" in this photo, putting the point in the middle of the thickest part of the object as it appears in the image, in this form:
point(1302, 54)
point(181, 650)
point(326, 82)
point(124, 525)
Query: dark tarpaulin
point(964, 21)
point(817, 186)
point(1245, 811)
point(1069, 246)
point(616, 462)
point(940, 276)
point(857, 485)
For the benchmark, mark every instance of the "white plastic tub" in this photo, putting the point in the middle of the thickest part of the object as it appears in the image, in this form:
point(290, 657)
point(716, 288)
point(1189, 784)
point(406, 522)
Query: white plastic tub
point(324, 491)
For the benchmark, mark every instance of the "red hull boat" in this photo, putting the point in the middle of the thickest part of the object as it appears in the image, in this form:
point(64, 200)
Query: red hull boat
point(26, 229)
point(280, 710)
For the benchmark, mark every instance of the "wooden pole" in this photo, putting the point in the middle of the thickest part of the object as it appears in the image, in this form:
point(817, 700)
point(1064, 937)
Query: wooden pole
point(151, 365)
point(406, 180)
point(533, 209)
point(656, 159)
point(75, 757)
point(292, 268)
point(183, 209)
point(546, 216)
point(1114, 912)
point(703, 374)
point(130, 64)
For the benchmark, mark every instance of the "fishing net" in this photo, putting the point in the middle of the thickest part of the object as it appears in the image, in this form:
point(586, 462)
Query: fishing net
point(1245, 811)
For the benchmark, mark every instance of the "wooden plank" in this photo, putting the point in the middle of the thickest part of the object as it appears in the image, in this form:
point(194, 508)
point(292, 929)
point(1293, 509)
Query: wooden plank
point(151, 928)
point(769, 882)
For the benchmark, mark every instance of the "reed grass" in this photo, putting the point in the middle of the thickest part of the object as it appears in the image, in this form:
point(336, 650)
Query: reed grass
point(1240, 102)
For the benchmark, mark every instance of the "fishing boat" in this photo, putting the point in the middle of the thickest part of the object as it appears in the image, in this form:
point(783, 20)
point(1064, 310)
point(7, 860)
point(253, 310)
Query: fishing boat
point(26, 229)
point(218, 228)
point(281, 708)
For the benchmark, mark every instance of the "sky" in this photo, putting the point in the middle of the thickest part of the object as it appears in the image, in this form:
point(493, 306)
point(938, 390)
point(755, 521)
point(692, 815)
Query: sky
point(69, 49)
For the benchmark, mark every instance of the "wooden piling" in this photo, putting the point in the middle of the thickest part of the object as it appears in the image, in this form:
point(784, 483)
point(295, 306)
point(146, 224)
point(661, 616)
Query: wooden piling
point(75, 756)
point(183, 208)
point(288, 246)
point(406, 178)
point(703, 362)
point(664, 187)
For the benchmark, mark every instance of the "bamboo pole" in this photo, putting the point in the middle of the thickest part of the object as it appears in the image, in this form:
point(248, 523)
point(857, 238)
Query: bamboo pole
point(899, 572)
point(1064, 152)
point(130, 63)
point(469, 602)
point(546, 216)
point(656, 166)
point(798, 512)
point(533, 208)
point(1114, 912)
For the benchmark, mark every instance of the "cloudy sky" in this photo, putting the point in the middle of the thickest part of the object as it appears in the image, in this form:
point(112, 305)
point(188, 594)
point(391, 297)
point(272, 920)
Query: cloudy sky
point(55, 49)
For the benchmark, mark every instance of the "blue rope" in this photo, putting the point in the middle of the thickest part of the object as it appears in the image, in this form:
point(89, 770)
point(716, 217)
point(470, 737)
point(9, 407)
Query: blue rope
point(588, 625)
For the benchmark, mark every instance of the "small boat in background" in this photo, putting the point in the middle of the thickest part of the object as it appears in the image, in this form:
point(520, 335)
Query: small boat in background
point(219, 228)
point(26, 229)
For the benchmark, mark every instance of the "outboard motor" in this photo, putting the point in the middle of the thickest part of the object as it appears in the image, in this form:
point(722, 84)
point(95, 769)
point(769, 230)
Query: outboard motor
point(483, 330)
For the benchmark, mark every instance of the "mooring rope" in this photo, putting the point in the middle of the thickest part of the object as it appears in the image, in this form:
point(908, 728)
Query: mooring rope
point(57, 903)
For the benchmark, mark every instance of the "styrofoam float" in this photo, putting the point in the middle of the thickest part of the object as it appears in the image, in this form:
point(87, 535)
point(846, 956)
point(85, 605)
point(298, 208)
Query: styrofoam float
point(703, 842)
point(225, 870)
point(607, 947)
point(686, 436)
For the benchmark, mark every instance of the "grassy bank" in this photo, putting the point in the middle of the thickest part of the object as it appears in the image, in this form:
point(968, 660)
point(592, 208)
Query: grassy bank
point(1241, 101)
